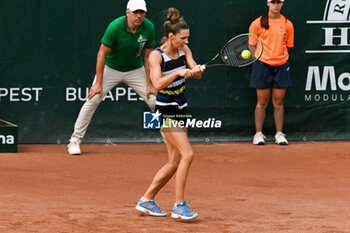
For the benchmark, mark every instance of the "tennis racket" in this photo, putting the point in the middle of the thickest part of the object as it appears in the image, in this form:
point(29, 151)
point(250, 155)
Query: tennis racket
point(241, 50)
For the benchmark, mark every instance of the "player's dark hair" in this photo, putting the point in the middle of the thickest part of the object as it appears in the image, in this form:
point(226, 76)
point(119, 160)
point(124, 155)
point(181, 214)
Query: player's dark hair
point(264, 21)
point(173, 24)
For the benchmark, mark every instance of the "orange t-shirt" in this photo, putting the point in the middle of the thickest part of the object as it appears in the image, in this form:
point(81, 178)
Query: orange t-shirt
point(276, 40)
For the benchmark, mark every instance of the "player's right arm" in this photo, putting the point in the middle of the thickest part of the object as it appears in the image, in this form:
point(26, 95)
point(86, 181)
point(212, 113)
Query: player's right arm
point(196, 70)
point(100, 64)
point(159, 82)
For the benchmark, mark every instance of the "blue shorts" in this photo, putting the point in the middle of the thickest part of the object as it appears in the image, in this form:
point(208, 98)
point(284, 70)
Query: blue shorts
point(265, 76)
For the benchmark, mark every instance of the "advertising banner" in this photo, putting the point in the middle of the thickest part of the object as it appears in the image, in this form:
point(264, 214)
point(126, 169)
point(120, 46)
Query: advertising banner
point(48, 63)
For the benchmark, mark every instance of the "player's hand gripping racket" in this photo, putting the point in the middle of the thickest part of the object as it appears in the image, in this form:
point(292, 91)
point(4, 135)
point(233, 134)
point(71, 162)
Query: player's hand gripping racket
point(240, 51)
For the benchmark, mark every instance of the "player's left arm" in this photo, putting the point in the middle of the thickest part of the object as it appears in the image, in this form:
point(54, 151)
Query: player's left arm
point(150, 88)
point(195, 69)
point(290, 35)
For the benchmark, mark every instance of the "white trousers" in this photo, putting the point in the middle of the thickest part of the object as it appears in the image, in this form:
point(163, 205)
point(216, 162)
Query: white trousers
point(136, 79)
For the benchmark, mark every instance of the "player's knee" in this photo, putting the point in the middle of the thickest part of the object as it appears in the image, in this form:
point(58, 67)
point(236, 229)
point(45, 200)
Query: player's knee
point(95, 100)
point(188, 157)
point(277, 103)
point(262, 104)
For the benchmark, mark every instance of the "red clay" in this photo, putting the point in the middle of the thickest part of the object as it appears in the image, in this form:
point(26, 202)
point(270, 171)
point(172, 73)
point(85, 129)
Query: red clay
point(238, 187)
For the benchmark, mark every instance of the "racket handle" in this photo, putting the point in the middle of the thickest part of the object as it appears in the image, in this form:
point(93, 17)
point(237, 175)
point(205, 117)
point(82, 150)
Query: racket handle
point(203, 67)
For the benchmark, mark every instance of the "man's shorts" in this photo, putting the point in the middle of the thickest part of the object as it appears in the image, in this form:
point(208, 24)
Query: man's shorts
point(265, 76)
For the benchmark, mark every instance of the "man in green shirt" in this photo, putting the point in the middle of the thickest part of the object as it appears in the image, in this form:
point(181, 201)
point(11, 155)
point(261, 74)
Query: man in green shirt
point(119, 60)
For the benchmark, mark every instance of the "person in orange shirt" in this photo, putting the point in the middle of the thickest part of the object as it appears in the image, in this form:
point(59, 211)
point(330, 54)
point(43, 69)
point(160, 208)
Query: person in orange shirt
point(270, 74)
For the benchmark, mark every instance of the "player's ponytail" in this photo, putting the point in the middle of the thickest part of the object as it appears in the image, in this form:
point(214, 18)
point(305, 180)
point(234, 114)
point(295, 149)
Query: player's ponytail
point(264, 21)
point(173, 16)
point(173, 24)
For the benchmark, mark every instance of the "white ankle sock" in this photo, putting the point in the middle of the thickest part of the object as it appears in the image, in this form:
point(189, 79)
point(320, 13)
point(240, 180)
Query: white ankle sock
point(144, 199)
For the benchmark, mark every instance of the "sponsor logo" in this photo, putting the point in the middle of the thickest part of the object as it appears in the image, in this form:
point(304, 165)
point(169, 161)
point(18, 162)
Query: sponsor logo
point(116, 94)
point(323, 84)
point(141, 39)
point(335, 28)
point(15, 94)
point(328, 78)
point(7, 139)
point(337, 10)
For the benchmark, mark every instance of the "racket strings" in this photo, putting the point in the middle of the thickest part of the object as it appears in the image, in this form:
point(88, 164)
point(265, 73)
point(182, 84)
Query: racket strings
point(232, 53)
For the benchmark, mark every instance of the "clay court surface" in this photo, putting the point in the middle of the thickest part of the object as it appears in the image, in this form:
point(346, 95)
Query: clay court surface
point(238, 187)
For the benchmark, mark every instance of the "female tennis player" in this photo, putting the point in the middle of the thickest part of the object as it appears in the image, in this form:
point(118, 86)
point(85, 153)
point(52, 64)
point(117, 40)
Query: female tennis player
point(270, 74)
point(168, 73)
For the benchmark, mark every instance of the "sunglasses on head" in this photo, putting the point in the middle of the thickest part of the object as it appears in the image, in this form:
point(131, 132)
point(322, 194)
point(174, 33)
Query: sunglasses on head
point(276, 2)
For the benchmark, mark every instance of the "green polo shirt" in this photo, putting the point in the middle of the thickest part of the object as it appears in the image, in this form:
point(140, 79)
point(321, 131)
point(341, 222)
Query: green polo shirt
point(126, 47)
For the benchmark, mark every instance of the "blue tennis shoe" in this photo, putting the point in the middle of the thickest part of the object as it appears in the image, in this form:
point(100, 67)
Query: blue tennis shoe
point(182, 211)
point(150, 207)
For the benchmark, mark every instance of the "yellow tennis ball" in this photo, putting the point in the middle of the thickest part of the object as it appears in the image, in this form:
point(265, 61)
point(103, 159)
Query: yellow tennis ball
point(246, 54)
point(225, 57)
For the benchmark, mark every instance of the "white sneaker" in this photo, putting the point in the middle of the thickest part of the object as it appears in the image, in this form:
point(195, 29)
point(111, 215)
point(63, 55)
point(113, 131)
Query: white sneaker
point(259, 139)
point(74, 146)
point(281, 139)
